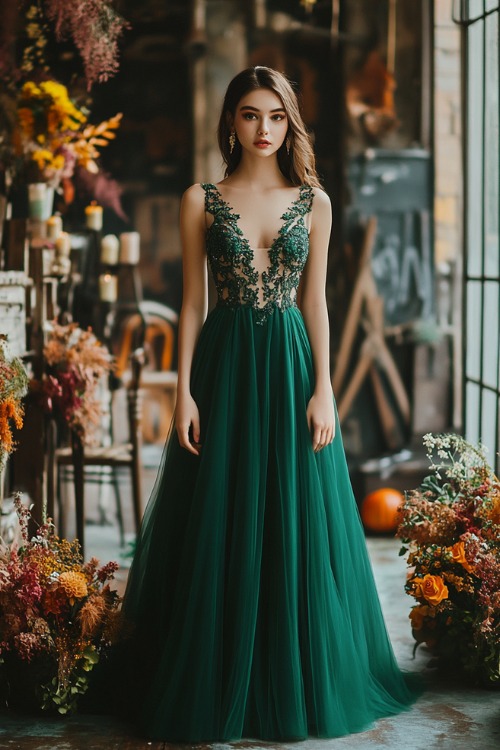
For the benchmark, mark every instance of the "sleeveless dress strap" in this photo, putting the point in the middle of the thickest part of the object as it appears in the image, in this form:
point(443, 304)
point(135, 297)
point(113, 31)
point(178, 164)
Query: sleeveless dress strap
point(305, 201)
point(213, 203)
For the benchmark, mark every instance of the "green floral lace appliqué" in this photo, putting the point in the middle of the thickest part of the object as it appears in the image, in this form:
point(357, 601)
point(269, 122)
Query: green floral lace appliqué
point(231, 257)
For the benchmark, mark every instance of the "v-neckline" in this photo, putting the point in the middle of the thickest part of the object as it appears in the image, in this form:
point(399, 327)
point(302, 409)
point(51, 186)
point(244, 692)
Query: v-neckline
point(236, 216)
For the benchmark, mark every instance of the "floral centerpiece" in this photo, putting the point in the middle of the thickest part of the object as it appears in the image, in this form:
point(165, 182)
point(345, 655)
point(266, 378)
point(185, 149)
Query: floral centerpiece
point(450, 528)
point(52, 135)
point(58, 617)
point(13, 387)
point(45, 132)
point(76, 362)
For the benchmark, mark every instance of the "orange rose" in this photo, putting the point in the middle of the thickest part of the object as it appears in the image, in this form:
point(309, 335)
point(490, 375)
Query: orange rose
point(418, 615)
point(432, 588)
point(458, 554)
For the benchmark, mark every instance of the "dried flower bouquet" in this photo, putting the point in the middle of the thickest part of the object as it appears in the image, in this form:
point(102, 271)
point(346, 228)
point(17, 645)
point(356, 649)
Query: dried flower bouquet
point(58, 617)
point(450, 528)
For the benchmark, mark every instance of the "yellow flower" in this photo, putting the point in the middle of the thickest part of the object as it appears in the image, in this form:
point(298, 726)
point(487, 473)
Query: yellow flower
point(458, 554)
point(74, 585)
point(43, 157)
point(58, 161)
point(432, 588)
point(30, 90)
point(418, 615)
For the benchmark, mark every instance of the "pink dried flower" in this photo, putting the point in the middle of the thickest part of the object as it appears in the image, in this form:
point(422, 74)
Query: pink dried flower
point(95, 28)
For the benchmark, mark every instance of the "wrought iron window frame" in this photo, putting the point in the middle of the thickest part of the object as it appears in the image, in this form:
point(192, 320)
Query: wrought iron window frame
point(465, 22)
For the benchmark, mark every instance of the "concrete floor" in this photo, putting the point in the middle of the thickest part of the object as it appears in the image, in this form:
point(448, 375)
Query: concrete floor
point(449, 716)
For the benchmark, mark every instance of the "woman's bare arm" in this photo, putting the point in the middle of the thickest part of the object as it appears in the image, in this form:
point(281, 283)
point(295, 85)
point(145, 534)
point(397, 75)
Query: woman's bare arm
point(193, 311)
point(314, 310)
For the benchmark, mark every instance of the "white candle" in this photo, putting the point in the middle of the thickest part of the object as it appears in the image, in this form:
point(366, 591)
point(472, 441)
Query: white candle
point(93, 217)
point(110, 250)
point(108, 287)
point(130, 248)
point(63, 245)
point(54, 227)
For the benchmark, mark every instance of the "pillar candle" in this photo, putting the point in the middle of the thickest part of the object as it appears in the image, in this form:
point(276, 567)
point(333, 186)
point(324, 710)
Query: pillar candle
point(63, 245)
point(130, 248)
point(54, 227)
point(108, 287)
point(93, 217)
point(110, 249)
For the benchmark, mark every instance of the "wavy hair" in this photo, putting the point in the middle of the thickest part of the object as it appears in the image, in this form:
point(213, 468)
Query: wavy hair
point(299, 167)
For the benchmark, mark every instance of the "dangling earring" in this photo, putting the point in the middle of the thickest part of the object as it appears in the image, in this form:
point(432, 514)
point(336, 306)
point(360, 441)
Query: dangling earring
point(288, 144)
point(232, 141)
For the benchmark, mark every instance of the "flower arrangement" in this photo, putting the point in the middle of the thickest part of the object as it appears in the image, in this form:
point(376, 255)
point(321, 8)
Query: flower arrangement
point(450, 528)
point(52, 134)
point(76, 362)
point(58, 616)
point(13, 387)
point(45, 135)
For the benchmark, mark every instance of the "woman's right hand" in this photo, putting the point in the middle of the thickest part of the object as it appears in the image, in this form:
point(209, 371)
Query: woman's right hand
point(187, 415)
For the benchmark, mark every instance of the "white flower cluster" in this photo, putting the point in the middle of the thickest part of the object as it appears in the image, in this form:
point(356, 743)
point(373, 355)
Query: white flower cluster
point(460, 458)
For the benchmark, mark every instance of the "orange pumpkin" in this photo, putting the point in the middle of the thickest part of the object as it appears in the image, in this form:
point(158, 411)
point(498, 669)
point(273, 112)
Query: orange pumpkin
point(379, 509)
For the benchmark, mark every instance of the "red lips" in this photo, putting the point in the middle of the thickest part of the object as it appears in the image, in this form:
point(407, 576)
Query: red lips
point(262, 142)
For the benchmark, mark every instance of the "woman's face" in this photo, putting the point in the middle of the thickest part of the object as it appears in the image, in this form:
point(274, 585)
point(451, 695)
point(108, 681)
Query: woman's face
point(260, 122)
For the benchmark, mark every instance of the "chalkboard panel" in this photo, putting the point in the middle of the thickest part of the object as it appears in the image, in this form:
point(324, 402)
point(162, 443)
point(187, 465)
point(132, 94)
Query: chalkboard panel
point(396, 187)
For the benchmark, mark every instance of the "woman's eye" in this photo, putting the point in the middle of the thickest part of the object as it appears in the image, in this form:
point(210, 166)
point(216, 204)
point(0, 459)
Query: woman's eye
point(249, 116)
point(278, 117)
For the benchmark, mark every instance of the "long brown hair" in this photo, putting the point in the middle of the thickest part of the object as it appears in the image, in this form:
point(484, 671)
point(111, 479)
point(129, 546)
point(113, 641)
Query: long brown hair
point(299, 167)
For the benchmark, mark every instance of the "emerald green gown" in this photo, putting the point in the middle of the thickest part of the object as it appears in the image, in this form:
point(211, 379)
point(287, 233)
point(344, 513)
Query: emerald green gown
point(251, 599)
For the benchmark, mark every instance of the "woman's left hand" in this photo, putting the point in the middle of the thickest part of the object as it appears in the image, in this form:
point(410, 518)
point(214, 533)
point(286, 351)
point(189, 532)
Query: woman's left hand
point(321, 419)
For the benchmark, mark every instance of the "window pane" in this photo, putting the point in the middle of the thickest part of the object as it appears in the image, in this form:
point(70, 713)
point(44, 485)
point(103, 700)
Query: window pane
point(490, 333)
point(489, 423)
point(491, 260)
point(475, 110)
point(473, 341)
point(472, 412)
point(474, 8)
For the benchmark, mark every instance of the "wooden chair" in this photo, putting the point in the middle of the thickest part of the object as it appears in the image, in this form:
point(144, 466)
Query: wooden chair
point(158, 381)
point(116, 455)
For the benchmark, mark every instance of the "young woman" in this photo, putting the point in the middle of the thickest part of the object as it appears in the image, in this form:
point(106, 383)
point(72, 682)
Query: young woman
point(250, 598)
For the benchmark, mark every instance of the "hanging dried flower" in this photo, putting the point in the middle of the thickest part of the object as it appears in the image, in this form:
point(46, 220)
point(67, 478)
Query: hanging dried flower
point(95, 28)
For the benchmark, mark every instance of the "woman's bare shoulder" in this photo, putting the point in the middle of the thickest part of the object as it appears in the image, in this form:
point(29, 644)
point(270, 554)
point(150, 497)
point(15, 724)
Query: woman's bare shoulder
point(194, 195)
point(193, 201)
point(321, 197)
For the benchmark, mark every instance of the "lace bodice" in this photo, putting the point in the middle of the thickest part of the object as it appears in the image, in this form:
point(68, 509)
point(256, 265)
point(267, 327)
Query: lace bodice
point(266, 282)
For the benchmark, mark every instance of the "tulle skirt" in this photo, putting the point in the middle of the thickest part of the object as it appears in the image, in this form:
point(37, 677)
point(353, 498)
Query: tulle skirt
point(251, 595)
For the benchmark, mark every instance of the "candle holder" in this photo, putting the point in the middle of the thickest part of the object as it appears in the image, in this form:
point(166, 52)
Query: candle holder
point(40, 200)
point(61, 265)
